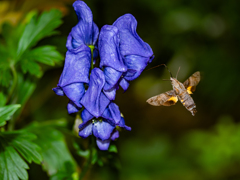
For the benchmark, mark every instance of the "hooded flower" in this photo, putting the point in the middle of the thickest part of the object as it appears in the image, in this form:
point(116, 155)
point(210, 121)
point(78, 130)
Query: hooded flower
point(75, 74)
point(110, 59)
point(94, 100)
point(100, 116)
point(135, 52)
point(104, 127)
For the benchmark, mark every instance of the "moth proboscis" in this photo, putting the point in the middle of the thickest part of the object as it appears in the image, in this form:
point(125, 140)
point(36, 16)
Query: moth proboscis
point(181, 92)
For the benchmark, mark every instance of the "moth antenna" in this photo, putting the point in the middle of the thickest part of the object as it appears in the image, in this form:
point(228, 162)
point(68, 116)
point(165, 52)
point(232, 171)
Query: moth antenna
point(167, 69)
point(162, 65)
point(178, 71)
point(155, 67)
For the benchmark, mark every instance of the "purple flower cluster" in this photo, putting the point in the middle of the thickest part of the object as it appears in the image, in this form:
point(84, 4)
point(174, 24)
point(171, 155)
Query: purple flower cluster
point(123, 56)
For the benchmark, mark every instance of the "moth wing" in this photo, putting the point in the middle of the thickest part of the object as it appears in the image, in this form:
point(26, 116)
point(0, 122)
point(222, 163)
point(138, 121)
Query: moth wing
point(165, 99)
point(191, 83)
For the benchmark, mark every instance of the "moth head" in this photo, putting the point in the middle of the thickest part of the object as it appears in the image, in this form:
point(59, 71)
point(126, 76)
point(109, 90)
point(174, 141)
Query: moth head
point(174, 82)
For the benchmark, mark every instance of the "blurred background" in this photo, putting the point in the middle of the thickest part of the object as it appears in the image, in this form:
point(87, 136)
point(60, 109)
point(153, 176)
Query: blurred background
point(165, 143)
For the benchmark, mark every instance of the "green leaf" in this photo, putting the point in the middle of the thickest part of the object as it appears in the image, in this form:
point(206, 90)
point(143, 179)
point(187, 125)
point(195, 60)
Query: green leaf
point(7, 111)
point(56, 156)
point(25, 89)
point(45, 54)
point(81, 152)
point(14, 146)
point(31, 67)
point(2, 99)
point(38, 28)
point(113, 148)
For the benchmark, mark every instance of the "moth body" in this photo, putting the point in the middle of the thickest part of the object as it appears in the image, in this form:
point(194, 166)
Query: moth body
point(183, 96)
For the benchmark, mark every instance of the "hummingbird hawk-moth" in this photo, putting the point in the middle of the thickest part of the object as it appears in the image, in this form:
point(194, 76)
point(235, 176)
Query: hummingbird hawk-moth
point(181, 91)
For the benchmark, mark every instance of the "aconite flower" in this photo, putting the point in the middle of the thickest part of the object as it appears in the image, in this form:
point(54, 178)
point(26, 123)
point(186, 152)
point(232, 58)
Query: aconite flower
point(136, 53)
point(80, 45)
point(122, 56)
point(100, 116)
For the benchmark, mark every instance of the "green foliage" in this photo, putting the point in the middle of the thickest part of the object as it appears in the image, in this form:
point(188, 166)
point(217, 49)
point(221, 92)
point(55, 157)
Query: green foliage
point(6, 112)
point(20, 55)
point(44, 54)
point(18, 45)
point(56, 156)
point(37, 29)
point(5, 73)
point(14, 148)
point(221, 148)
point(24, 89)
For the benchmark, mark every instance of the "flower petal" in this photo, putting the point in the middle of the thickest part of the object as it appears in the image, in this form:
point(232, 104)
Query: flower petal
point(136, 64)
point(122, 124)
point(75, 92)
point(111, 77)
point(115, 135)
point(58, 91)
point(112, 113)
point(137, 53)
point(108, 46)
point(72, 108)
point(86, 31)
point(103, 145)
point(130, 42)
point(94, 100)
point(110, 94)
point(86, 116)
point(124, 84)
point(85, 129)
point(102, 130)
point(76, 67)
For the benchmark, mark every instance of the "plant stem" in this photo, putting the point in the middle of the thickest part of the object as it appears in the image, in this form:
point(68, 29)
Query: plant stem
point(88, 164)
point(92, 48)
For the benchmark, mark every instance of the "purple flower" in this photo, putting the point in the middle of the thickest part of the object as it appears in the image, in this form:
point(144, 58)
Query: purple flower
point(94, 100)
point(111, 59)
point(104, 127)
point(136, 53)
point(123, 56)
point(100, 116)
point(78, 57)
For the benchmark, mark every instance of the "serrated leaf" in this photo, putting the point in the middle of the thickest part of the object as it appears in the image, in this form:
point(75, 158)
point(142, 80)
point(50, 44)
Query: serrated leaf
point(56, 156)
point(12, 145)
point(38, 28)
point(7, 111)
point(31, 67)
point(45, 54)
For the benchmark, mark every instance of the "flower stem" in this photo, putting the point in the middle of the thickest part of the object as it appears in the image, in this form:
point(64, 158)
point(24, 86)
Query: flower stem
point(88, 164)
point(92, 48)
